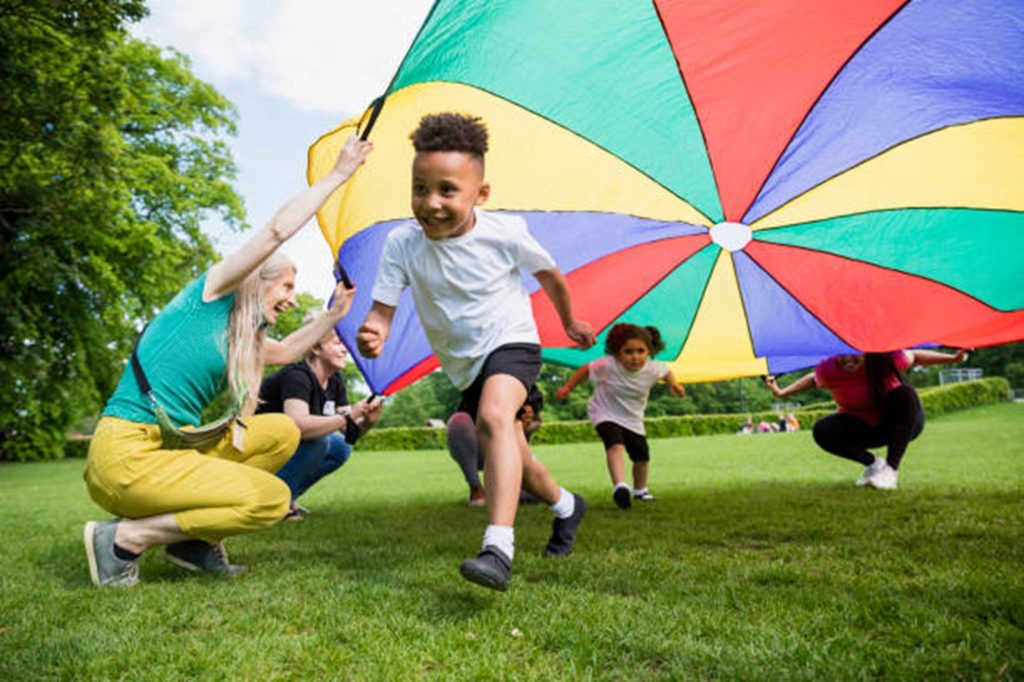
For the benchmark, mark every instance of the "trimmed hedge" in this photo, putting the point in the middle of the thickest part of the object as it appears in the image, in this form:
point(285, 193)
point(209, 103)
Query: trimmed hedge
point(936, 400)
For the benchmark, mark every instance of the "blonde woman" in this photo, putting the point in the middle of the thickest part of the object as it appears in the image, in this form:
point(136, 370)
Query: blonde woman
point(212, 332)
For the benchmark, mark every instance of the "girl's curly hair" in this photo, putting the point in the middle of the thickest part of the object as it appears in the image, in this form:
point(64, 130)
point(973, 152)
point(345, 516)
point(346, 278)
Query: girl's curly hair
point(623, 332)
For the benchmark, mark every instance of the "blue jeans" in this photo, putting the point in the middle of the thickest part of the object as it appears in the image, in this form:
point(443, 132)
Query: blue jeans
point(313, 460)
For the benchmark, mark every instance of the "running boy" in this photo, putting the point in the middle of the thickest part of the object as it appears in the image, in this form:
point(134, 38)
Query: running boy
point(463, 266)
point(623, 380)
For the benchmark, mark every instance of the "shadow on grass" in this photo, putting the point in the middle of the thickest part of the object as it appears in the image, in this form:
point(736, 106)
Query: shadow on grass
point(418, 545)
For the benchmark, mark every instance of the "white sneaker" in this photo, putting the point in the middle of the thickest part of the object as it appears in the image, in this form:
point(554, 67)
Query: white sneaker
point(871, 470)
point(884, 479)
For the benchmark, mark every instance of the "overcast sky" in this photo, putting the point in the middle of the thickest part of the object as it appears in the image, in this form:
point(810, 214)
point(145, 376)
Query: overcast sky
point(294, 69)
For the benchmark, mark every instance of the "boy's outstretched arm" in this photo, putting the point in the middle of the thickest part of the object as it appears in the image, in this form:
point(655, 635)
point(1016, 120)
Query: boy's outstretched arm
point(579, 376)
point(553, 284)
point(374, 330)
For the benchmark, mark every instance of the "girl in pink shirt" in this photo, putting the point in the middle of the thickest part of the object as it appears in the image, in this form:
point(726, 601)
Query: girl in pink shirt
point(875, 407)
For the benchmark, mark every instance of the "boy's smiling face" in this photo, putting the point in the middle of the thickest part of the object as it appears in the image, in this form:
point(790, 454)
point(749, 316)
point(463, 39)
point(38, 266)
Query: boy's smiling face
point(446, 186)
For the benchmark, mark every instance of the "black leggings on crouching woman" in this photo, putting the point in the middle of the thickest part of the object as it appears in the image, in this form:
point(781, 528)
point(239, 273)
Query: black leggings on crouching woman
point(849, 437)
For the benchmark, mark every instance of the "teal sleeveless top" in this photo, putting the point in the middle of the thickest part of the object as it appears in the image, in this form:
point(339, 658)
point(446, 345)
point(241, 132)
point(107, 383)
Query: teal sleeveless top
point(184, 355)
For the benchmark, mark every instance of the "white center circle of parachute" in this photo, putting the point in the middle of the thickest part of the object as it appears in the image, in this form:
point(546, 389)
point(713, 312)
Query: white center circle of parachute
point(730, 236)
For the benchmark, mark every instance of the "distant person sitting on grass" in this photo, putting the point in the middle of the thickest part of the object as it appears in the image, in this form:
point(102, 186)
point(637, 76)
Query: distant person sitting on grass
point(141, 467)
point(467, 453)
point(464, 267)
point(312, 392)
point(623, 379)
point(875, 408)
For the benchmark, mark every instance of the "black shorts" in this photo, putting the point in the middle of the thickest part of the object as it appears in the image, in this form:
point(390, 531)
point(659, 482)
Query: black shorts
point(520, 360)
point(635, 444)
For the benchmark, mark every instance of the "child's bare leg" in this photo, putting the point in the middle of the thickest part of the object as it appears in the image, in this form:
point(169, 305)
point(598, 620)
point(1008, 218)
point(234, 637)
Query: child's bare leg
point(640, 470)
point(498, 434)
point(537, 479)
point(616, 469)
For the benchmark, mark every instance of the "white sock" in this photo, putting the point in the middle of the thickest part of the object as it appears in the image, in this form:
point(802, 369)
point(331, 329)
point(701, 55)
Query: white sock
point(502, 537)
point(565, 506)
point(621, 485)
point(639, 491)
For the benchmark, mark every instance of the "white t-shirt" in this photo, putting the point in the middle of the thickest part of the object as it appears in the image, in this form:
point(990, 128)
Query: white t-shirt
point(468, 290)
point(620, 396)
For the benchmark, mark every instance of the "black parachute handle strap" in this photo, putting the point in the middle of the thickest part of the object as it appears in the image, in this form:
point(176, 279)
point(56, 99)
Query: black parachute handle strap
point(374, 112)
point(378, 104)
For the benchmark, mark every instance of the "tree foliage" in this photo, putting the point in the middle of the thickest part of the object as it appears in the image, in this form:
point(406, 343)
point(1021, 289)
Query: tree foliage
point(110, 158)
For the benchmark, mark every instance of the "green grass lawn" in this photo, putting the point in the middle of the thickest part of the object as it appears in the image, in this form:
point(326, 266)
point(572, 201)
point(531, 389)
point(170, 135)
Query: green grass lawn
point(760, 560)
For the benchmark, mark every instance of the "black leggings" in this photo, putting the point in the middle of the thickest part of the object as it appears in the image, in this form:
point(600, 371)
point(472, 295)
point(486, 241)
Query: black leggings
point(847, 436)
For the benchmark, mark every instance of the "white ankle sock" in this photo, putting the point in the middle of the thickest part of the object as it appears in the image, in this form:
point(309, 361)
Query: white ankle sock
point(502, 537)
point(565, 506)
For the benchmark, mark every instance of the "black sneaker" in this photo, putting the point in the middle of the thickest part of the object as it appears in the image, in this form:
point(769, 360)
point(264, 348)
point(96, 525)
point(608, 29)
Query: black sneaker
point(202, 557)
point(490, 568)
point(622, 497)
point(563, 531)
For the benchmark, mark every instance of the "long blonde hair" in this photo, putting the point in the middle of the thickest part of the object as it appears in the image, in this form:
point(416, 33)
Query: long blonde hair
point(247, 332)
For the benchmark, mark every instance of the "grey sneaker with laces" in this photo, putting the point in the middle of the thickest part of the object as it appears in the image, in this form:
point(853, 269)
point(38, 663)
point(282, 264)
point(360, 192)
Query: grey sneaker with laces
point(202, 557)
point(105, 568)
point(491, 568)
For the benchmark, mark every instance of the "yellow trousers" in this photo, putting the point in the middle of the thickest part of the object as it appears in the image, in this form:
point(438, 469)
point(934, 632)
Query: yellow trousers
point(212, 494)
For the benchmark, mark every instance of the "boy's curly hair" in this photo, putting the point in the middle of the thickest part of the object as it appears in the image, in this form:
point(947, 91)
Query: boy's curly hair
point(623, 332)
point(451, 132)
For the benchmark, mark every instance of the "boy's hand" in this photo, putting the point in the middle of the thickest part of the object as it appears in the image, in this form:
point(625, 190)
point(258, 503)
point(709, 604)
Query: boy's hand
point(582, 333)
point(769, 381)
point(561, 393)
point(342, 301)
point(677, 390)
point(962, 355)
point(370, 339)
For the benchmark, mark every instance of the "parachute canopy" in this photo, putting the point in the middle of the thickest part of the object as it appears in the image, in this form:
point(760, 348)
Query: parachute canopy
point(768, 183)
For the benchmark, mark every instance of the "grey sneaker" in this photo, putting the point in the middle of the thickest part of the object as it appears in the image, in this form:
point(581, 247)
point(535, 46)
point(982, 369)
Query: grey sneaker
point(105, 568)
point(491, 568)
point(563, 531)
point(202, 557)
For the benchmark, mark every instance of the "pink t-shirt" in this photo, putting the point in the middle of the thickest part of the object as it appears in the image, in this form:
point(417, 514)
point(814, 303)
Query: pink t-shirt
point(850, 390)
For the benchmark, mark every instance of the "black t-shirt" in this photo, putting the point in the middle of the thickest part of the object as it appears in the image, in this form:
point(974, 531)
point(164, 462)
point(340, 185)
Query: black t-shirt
point(297, 381)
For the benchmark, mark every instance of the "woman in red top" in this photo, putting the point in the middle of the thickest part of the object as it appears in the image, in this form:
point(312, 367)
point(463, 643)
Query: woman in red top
point(875, 407)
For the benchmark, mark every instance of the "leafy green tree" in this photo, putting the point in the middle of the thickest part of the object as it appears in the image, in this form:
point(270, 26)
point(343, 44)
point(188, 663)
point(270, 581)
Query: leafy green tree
point(110, 159)
point(997, 360)
point(1015, 374)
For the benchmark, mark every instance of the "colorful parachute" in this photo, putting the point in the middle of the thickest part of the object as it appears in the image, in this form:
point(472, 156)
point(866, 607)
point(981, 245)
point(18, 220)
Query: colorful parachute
point(768, 183)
